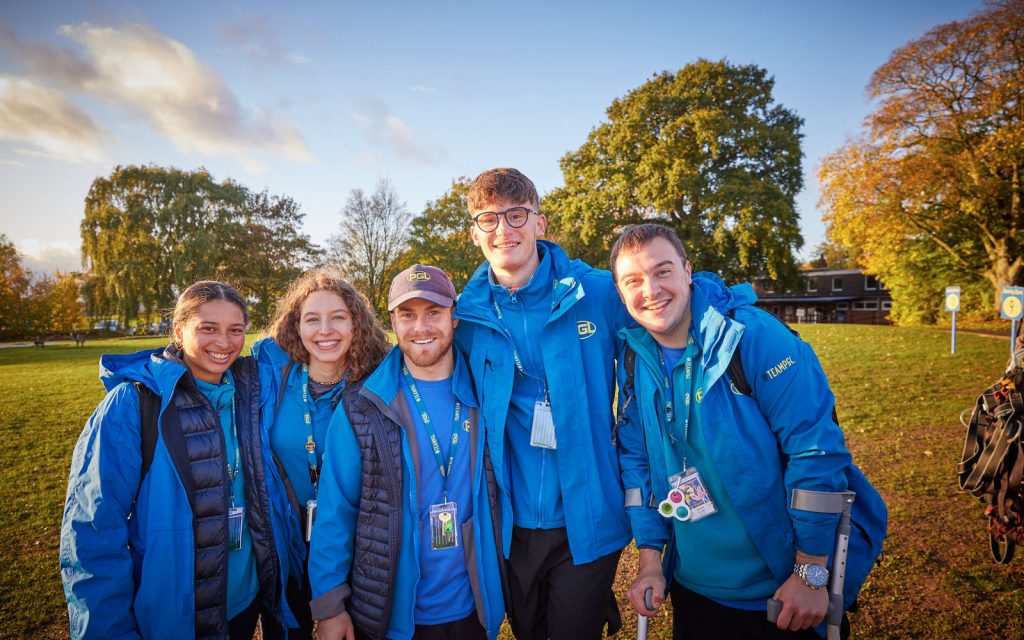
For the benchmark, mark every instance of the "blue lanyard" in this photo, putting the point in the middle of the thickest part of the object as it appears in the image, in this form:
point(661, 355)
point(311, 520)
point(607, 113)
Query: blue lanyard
point(232, 469)
point(679, 444)
point(314, 466)
point(515, 352)
point(421, 408)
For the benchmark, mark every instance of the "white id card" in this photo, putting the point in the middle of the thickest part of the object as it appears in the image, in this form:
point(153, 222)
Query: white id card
point(236, 518)
point(542, 434)
point(695, 494)
point(310, 518)
point(444, 529)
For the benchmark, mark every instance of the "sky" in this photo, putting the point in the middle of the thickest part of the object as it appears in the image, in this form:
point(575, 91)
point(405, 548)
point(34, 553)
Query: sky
point(314, 99)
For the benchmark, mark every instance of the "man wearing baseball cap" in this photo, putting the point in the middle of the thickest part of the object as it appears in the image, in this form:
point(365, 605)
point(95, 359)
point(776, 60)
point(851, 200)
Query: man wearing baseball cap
point(410, 555)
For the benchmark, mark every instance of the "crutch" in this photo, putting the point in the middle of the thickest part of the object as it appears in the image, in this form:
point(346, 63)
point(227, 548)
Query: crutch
point(641, 621)
point(827, 502)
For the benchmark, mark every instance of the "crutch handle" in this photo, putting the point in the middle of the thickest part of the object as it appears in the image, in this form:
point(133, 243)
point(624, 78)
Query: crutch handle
point(775, 608)
point(649, 598)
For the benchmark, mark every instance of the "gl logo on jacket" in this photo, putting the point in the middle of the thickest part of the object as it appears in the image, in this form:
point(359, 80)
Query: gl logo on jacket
point(586, 329)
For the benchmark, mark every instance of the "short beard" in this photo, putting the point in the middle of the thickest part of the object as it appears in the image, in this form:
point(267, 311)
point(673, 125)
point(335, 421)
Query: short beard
point(427, 362)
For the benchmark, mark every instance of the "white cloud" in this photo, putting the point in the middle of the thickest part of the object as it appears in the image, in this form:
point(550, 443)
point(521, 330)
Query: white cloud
point(255, 38)
point(48, 256)
point(385, 130)
point(158, 79)
point(421, 88)
point(50, 122)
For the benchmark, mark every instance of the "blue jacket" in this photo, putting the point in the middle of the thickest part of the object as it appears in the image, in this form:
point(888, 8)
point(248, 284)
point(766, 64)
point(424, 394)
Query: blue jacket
point(335, 534)
point(763, 446)
point(273, 361)
point(580, 342)
point(127, 550)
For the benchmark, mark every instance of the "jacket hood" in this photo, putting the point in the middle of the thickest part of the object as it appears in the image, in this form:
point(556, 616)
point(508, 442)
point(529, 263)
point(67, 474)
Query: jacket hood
point(385, 381)
point(267, 352)
point(720, 296)
point(159, 369)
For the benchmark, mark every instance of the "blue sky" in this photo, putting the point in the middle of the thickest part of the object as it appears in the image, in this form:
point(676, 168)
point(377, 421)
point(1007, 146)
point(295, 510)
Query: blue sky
point(314, 99)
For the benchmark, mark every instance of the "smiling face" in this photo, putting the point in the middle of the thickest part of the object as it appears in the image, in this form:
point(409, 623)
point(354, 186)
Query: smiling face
point(654, 284)
point(511, 251)
point(211, 339)
point(325, 328)
point(425, 330)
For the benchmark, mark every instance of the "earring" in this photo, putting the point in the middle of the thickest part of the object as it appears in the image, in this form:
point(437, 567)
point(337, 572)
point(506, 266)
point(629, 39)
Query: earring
point(177, 345)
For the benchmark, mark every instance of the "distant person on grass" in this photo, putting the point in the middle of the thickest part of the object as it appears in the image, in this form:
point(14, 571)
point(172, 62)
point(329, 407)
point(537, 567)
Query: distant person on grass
point(541, 334)
point(688, 430)
point(192, 547)
point(324, 341)
point(406, 544)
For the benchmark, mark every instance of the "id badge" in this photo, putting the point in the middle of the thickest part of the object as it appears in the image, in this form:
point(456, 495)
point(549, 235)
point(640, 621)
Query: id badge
point(236, 517)
point(310, 518)
point(542, 434)
point(444, 530)
point(688, 497)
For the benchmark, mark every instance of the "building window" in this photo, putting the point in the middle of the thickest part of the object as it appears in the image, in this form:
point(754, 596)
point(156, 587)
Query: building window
point(842, 306)
point(871, 283)
point(812, 284)
point(837, 283)
point(866, 305)
point(886, 305)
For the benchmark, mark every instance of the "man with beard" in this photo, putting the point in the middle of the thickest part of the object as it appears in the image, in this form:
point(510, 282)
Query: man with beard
point(413, 555)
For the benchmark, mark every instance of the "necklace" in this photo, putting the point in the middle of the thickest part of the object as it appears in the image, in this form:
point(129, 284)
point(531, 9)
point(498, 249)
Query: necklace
point(327, 384)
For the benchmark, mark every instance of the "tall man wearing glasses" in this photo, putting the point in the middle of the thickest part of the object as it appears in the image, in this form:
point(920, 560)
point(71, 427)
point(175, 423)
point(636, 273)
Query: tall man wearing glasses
point(540, 331)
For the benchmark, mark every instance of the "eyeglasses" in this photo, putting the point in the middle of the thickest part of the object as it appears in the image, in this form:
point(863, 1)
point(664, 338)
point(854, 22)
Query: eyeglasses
point(515, 217)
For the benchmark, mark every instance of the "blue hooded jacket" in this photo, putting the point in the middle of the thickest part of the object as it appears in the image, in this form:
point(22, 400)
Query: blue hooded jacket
point(335, 534)
point(763, 446)
point(579, 342)
point(127, 550)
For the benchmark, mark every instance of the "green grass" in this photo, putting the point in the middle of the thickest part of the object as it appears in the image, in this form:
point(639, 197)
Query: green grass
point(899, 393)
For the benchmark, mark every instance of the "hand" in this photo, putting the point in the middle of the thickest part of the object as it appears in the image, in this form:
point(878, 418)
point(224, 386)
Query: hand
point(648, 575)
point(337, 628)
point(802, 606)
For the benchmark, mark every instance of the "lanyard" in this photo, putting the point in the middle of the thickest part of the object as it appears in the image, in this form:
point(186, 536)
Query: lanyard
point(515, 352)
point(677, 443)
point(232, 472)
point(421, 408)
point(307, 417)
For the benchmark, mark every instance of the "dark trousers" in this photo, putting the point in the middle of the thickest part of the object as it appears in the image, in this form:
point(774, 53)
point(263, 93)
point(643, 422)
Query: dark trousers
point(243, 625)
point(695, 617)
point(298, 601)
point(552, 597)
point(469, 628)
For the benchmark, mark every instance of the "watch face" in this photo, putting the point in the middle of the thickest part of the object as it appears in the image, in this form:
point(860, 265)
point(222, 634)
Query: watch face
point(816, 576)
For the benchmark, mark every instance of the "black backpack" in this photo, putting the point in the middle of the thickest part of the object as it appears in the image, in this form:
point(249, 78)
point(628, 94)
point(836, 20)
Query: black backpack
point(992, 465)
point(149, 413)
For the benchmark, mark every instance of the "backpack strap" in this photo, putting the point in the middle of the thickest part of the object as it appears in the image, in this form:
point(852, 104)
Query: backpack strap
point(629, 364)
point(149, 414)
point(292, 498)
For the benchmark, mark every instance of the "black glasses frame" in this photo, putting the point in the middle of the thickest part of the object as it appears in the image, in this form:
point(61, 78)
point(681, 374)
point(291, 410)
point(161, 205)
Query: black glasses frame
point(503, 214)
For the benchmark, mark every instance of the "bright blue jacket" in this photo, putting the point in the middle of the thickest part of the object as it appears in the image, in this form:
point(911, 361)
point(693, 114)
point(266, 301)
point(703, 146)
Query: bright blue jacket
point(131, 577)
point(764, 445)
point(273, 361)
point(579, 343)
point(332, 545)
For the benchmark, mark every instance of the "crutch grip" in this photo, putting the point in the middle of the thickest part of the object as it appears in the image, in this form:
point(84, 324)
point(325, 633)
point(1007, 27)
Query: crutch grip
point(775, 608)
point(649, 598)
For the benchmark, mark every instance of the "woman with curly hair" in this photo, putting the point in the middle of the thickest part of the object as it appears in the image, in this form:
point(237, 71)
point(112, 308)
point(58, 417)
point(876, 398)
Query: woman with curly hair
point(323, 342)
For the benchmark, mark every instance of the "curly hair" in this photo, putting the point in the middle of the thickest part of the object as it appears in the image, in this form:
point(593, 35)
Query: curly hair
point(369, 342)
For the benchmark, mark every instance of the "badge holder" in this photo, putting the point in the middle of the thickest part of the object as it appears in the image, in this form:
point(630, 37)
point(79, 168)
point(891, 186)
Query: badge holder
point(444, 532)
point(236, 516)
point(688, 500)
point(542, 433)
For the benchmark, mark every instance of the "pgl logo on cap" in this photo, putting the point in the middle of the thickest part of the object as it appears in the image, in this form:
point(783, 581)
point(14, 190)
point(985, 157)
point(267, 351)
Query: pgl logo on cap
point(418, 275)
point(586, 328)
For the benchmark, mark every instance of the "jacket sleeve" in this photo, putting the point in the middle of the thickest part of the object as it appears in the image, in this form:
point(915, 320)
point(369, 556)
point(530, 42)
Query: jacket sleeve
point(649, 528)
point(794, 396)
point(332, 545)
point(95, 559)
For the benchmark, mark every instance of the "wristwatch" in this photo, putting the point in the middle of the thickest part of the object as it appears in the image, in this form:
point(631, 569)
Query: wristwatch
point(814, 576)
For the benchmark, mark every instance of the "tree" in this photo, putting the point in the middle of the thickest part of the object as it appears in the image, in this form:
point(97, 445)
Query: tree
point(937, 172)
point(149, 232)
point(373, 235)
point(63, 303)
point(705, 150)
point(14, 288)
point(440, 235)
point(267, 252)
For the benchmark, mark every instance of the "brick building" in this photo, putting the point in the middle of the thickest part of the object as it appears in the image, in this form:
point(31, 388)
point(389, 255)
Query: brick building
point(829, 295)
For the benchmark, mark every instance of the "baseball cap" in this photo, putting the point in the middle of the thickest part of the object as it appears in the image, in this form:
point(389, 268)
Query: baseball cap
point(422, 281)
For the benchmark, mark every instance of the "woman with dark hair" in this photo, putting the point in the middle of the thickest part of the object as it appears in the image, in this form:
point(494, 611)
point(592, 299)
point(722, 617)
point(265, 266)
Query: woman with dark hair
point(174, 522)
point(324, 341)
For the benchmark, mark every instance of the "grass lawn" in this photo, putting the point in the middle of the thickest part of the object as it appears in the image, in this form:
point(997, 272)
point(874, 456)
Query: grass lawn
point(899, 392)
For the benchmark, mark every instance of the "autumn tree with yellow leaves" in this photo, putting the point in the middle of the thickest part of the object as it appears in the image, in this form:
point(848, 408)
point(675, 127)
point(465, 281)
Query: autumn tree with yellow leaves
point(930, 193)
